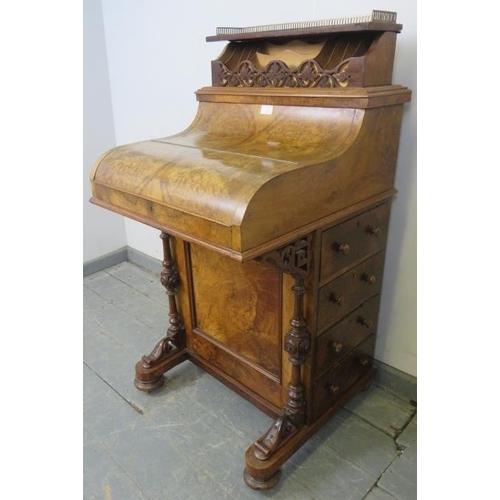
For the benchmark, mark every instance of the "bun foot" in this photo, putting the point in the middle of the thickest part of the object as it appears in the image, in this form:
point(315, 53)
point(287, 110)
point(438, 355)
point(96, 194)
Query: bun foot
point(257, 483)
point(150, 378)
point(149, 385)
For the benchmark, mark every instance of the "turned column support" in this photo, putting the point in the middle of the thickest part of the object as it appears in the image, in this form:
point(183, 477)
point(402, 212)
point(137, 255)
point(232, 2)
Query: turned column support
point(149, 371)
point(294, 259)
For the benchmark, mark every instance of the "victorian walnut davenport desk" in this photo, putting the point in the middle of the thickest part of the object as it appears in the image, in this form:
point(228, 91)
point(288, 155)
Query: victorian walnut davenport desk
point(273, 208)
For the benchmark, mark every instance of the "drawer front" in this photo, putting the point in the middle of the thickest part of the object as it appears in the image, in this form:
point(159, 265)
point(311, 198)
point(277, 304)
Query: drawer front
point(329, 387)
point(354, 239)
point(342, 295)
point(340, 339)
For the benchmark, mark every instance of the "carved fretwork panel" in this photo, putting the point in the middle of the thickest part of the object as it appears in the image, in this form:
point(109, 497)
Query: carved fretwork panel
point(294, 259)
point(277, 74)
point(304, 62)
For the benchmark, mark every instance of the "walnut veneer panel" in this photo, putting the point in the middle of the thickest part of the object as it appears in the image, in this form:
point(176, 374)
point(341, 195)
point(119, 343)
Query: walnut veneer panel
point(238, 306)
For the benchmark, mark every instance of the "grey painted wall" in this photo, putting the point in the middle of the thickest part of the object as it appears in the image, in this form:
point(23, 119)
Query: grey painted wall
point(103, 231)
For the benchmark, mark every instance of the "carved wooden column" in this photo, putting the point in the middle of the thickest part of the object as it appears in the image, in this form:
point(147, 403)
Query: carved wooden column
point(167, 352)
point(294, 259)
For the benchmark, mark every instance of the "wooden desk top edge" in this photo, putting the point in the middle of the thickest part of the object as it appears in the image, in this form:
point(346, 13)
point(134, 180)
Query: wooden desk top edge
point(355, 97)
point(255, 252)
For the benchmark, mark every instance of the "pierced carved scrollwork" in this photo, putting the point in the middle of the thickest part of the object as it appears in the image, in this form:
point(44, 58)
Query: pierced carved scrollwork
point(277, 74)
point(294, 259)
point(170, 280)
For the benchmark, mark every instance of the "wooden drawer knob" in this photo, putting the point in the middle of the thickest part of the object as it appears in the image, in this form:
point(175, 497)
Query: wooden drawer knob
point(336, 299)
point(365, 321)
point(337, 346)
point(374, 231)
point(369, 278)
point(343, 248)
point(334, 389)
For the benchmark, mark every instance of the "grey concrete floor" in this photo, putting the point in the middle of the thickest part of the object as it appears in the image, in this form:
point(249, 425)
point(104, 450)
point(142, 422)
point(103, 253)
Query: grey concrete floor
point(187, 440)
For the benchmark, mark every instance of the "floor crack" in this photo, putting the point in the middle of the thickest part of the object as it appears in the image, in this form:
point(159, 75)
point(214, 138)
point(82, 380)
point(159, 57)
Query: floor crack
point(132, 405)
point(400, 450)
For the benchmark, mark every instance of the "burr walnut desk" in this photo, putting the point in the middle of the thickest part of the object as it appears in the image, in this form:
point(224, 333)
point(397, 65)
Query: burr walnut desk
point(273, 208)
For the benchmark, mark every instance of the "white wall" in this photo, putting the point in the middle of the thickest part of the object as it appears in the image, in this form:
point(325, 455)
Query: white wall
point(103, 231)
point(158, 57)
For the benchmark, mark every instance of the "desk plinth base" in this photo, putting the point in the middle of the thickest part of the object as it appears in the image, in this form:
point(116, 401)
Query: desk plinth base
point(264, 474)
point(258, 474)
point(264, 458)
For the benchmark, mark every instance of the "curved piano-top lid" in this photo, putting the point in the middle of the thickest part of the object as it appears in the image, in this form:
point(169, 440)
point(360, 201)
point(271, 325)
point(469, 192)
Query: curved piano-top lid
point(211, 172)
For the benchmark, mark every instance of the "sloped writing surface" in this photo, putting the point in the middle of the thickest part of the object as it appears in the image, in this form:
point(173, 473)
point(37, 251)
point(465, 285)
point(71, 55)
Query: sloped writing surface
point(241, 176)
point(212, 170)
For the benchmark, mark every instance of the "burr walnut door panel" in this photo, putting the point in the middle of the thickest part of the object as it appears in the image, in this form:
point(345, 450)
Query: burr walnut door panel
point(236, 314)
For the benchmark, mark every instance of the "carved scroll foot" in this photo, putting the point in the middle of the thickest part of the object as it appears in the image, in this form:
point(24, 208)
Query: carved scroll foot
point(150, 378)
point(265, 483)
point(261, 473)
point(275, 437)
point(162, 349)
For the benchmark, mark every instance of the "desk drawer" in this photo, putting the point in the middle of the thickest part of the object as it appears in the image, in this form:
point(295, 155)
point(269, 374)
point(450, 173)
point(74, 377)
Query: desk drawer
point(340, 339)
point(329, 387)
point(354, 239)
point(342, 295)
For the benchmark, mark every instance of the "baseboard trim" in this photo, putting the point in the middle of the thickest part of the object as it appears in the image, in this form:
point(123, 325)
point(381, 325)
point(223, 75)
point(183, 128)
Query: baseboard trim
point(104, 261)
point(144, 260)
point(123, 254)
point(401, 384)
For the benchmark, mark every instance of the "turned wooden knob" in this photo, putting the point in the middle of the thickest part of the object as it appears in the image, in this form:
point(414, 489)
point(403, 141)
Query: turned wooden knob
point(374, 231)
point(337, 346)
point(343, 249)
point(334, 389)
point(369, 278)
point(336, 299)
point(365, 321)
point(363, 361)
